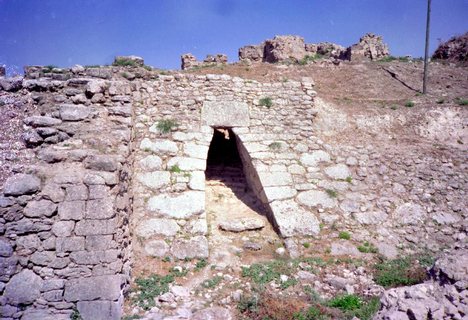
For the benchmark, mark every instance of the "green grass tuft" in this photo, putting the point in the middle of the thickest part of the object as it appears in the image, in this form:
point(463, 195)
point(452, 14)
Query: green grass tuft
point(166, 125)
point(266, 102)
point(344, 235)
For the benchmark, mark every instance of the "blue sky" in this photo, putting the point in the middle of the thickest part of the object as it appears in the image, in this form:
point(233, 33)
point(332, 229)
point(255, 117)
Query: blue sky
point(86, 32)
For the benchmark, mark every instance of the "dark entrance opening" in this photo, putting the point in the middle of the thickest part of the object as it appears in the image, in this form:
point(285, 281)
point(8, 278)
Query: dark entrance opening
point(223, 153)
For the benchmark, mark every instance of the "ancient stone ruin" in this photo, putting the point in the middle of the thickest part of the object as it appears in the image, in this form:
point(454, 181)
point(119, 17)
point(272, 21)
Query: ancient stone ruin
point(294, 49)
point(119, 161)
point(454, 50)
point(189, 61)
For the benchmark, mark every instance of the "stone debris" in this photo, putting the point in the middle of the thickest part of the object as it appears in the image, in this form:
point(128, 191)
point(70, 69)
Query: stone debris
point(444, 296)
point(243, 224)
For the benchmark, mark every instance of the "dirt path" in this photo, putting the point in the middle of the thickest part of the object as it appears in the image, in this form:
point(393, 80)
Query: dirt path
point(228, 202)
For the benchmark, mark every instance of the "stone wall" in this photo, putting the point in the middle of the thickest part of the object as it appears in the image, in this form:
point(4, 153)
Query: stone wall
point(64, 222)
point(169, 201)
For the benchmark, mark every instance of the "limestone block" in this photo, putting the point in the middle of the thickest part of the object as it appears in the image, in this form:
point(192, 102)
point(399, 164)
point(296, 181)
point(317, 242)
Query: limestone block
point(71, 210)
point(67, 244)
point(159, 146)
point(213, 313)
point(196, 247)
point(197, 151)
point(197, 227)
point(6, 249)
point(155, 179)
point(183, 206)
point(20, 184)
point(338, 171)
point(101, 163)
point(279, 193)
point(92, 288)
point(225, 114)
point(100, 310)
point(71, 112)
point(42, 121)
point(292, 220)
point(76, 192)
point(23, 288)
point(156, 248)
point(271, 179)
point(376, 217)
point(314, 158)
point(197, 180)
point(151, 227)
point(187, 164)
point(98, 242)
point(95, 227)
point(315, 198)
point(151, 162)
point(243, 224)
point(41, 208)
point(409, 213)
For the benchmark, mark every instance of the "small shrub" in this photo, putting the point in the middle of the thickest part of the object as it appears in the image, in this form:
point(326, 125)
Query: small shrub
point(125, 63)
point(211, 283)
point(409, 104)
point(461, 102)
point(266, 102)
point(149, 68)
point(306, 245)
point(393, 107)
point(349, 179)
point(275, 146)
point(248, 304)
point(399, 272)
point(393, 58)
point(346, 302)
point(265, 272)
point(151, 287)
point(344, 235)
point(175, 169)
point(166, 259)
point(440, 101)
point(75, 314)
point(202, 263)
point(310, 58)
point(331, 193)
point(367, 247)
point(165, 126)
point(127, 75)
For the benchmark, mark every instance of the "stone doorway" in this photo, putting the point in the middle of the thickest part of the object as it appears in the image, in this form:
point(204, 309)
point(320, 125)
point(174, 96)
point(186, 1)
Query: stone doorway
point(238, 228)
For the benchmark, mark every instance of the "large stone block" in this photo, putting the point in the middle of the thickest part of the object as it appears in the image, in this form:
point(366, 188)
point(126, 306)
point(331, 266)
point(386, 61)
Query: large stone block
point(100, 208)
point(96, 227)
point(183, 206)
point(315, 198)
point(71, 210)
point(100, 310)
point(187, 164)
point(20, 184)
point(225, 114)
point(314, 158)
point(272, 179)
point(23, 288)
point(151, 227)
point(41, 208)
point(292, 220)
point(159, 146)
point(71, 112)
point(70, 244)
point(92, 288)
point(155, 179)
point(196, 247)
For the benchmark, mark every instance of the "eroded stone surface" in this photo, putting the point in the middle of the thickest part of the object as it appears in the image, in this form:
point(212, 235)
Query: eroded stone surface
point(186, 205)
